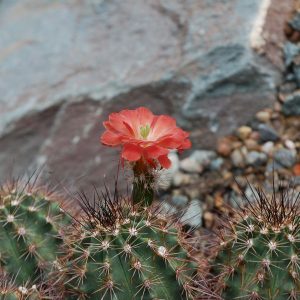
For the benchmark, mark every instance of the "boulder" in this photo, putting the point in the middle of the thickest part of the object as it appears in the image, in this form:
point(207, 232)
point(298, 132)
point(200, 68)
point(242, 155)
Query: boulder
point(65, 65)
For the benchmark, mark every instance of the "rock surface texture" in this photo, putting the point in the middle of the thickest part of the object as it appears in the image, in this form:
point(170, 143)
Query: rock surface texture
point(65, 65)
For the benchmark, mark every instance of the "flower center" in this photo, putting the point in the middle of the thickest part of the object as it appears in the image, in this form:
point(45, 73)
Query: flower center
point(144, 131)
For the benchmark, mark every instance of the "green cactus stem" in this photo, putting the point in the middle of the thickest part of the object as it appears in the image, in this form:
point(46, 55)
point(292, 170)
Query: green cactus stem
point(30, 233)
point(125, 252)
point(143, 184)
point(10, 291)
point(259, 257)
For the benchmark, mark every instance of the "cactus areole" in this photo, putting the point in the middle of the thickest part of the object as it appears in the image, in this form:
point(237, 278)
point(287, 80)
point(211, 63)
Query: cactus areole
point(146, 140)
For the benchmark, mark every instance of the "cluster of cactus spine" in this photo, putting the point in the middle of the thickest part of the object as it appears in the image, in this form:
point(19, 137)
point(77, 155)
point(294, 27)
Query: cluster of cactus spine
point(31, 234)
point(259, 257)
point(121, 250)
point(124, 251)
point(9, 291)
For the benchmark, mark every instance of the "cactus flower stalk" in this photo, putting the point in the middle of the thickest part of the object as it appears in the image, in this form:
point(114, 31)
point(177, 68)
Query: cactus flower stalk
point(146, 140)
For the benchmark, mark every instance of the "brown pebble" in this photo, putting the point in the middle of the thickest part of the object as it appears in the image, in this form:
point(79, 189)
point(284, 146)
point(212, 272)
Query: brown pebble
point(208, 219)
point(295, 37)
point(254, 136)
point(288, 30)
point(193, 193)
point(209, 202)
point(224, 147)
point(237, 145)
point(218, 200)
point(252, 144)
point(226, 175)
point(277, 107)
point(296, 170)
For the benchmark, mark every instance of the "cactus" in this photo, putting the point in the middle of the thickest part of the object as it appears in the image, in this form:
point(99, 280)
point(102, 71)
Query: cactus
point(259, 256)
point(123, 251)
point(21, 293)
point(30, 232)
point(10, 291)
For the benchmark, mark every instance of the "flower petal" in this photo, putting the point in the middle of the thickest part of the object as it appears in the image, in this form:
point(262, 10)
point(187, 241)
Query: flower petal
point(186, 144)
point(145, 116)
point(116, 123)
point(163, 125)
point(169, 142)
point(164, 161)
point(155, 151)
point(111, 139)
point(131, 152)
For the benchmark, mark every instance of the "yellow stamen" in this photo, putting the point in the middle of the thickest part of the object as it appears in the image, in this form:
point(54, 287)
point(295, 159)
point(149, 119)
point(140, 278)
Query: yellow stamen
point(144, 131)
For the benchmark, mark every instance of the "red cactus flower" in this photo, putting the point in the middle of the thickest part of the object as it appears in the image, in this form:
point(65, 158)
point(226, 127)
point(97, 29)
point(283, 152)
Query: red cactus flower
point(144, 136)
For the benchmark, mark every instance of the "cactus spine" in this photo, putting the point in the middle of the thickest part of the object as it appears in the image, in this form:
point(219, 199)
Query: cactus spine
point(123, 252)
point(9, 291)
point(259, 257)
point(30, 232)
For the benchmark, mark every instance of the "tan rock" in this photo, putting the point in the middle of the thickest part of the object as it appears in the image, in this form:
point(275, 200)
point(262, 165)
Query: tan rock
point(219, 201)
point(252, 144)
point(208, 219)
point(244, 132)
point(237, 158)
point(263, 116)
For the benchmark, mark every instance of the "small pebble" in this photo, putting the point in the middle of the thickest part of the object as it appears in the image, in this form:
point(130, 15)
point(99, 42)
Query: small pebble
point(227, 175)
point(190, 165)
point(244, 151)
point(218, 201)
point(237, 158)
point(251, 144)
point(251, 193)
point(203, 157)
point(256, 159)
point(180, 200)
point(193, 214)
point(216, 164)
point(290, 144)
point(268, 147)
point(296, 170)
point(267, 133)
point(181, 179)
point(254, 136)
point(236, 144)
point(208, 219)
point(263, 116)
point(193, 192)
point(209, 202)
point(244, 132)
point(167, 208)
point(273, 166)
point(285, 157)
point(224, 147)
point(277, 107)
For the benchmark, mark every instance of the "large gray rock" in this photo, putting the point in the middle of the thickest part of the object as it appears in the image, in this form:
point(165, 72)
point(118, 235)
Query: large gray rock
point(65, 65)
point(291, 105)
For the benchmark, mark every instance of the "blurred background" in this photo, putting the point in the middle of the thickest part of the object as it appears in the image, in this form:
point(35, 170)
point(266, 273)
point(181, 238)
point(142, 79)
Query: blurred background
point(227, 70)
